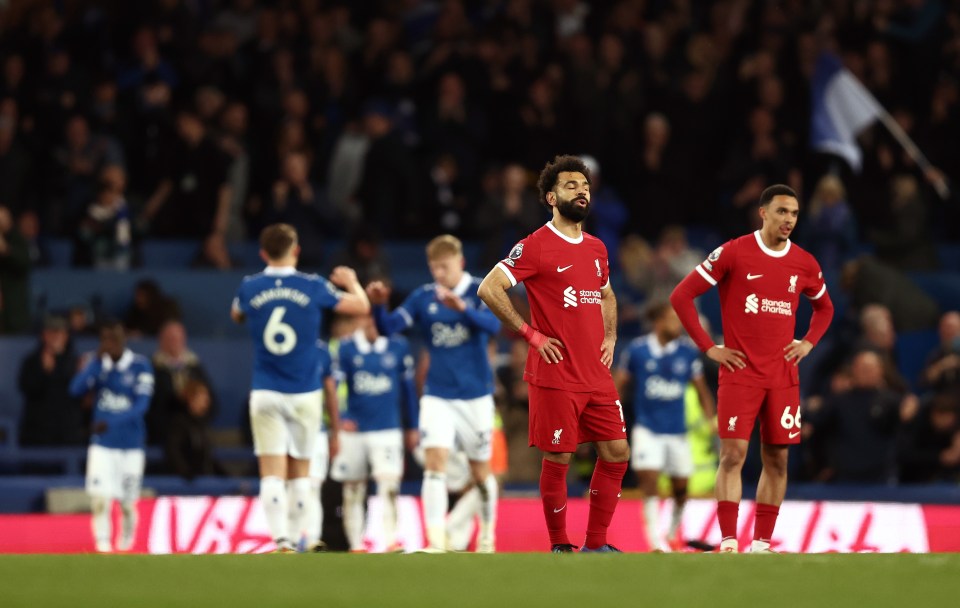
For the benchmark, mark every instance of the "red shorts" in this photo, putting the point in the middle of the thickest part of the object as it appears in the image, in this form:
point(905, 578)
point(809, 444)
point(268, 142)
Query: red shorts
point(738, 407)
point(561, 420)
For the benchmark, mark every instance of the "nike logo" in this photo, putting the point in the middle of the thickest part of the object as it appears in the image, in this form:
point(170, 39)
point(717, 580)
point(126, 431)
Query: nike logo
point(751, 277)
point(793, 434)
point(560, 509)
point(564, 268)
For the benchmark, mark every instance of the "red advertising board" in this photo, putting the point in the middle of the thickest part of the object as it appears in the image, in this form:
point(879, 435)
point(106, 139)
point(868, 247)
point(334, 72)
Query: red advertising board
point(237, 525)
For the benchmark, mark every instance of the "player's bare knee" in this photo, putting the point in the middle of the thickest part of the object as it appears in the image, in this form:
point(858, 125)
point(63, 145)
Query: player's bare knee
point(99, 505)
point(558, 457)
point(774, 460)
point(614, 451)
point(732, 457)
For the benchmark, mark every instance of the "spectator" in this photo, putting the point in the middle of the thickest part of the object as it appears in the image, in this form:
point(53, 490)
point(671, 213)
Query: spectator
point(28, 224)
point(193, 199)
point(828, 229)
point(16, 161)
point(942, 369)
point(930, 446)
point(50, 416)
point(879, 335)
point(175, 368)
point(609, 216)
point(365, 254)
point(508, 211)
point(859, 427)
point(867, 280)
point(14, 277)
point(297, 201)
point(908, 243)
point(104, 238)
point(189, 447)
point(151, 308)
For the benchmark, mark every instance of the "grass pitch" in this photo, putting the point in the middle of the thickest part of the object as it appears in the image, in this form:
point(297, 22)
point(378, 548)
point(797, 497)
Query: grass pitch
point(467, 580)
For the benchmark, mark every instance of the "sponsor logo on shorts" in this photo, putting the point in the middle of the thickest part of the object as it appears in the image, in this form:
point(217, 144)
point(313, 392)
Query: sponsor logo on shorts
point(732, 423)
point(556, 436)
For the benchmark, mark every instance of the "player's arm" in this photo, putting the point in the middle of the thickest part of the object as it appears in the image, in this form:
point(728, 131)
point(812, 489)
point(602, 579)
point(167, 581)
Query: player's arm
point(707, 402)
point(682, 299)
point(236, 314)
point(331, 404)
point(388, 323)
point(86, 379)
point(621, 373)
point(493, 292)
point(608, 308)
point(819, 323)
point(410, 412)
point(354, 300)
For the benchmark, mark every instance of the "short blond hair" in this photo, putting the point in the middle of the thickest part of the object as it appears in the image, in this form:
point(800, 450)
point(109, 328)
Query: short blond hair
point(277, 240)
point(443, 246)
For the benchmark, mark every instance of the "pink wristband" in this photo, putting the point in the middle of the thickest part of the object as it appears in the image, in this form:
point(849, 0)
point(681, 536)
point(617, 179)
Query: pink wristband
point(533, 337)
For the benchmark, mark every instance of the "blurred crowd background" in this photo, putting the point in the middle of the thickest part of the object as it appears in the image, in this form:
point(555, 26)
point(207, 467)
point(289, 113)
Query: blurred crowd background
point(373, 126)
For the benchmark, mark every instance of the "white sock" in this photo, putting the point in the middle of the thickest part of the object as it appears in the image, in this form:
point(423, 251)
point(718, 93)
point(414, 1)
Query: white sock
point(128, 529)
point(299, 497)
point(460, 520)
point(434, 497)
point(314, 512)
point(354, 495)
point(489, 492)
point(387, 491)
point(101, 524)
point(273, 498)
point(651, 505)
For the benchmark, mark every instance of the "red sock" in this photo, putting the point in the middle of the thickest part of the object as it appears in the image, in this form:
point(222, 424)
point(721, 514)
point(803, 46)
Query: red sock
point(604, 495)
point(553, 495)
point(765, 521)
point(727, 512)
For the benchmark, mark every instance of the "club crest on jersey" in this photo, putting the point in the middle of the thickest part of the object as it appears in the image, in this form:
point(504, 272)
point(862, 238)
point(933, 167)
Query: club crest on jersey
point(793, 283)
point(389, 360)
point(597, 262)
point(432, 308)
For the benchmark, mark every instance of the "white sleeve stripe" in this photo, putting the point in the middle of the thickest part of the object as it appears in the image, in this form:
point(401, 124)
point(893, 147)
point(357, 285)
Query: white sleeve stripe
point(820, 293)
point(406, 316)
point(506, 271)
point(607, 284)
point(706, 276)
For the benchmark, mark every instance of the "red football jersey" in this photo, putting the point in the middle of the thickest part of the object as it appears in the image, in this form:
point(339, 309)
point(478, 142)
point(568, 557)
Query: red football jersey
point(563, 277)
point(759, 292)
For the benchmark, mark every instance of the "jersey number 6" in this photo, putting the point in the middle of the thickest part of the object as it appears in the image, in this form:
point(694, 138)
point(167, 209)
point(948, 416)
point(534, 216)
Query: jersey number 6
point(276, 328)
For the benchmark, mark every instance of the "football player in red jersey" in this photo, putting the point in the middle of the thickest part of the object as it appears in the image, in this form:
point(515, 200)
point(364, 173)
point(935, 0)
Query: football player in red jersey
point(760, 277)
point(572, 335)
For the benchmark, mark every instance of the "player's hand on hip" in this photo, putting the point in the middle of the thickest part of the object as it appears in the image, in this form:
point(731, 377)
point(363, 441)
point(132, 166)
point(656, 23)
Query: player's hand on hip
point(549, 348)
point(378, 293)
point(450, 299)
point(344, 276)
point(606, 351)
point(797, 350)
point(730, 358)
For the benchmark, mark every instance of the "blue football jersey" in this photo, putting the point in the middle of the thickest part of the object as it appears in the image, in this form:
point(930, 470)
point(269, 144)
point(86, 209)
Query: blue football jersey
point(283, 310)
point(325, 369)
point(660, 377)
point(123, 392)
point(457, 341)
point(380, 390)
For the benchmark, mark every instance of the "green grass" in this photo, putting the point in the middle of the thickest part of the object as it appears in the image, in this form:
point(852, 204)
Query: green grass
point(466, 580)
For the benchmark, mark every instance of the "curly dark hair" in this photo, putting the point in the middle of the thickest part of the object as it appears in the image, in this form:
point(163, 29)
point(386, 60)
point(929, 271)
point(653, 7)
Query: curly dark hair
point(776, 190)
point(559, 164)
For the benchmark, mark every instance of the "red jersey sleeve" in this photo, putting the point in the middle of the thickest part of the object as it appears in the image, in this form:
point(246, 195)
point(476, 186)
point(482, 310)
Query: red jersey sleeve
point(718, 263)
point(814, 285)
point(523, 261)
point(603, 267)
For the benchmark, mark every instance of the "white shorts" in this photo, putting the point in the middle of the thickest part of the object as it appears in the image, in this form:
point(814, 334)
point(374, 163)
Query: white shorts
point(449, 423)
point(669, 454)
point(320, 461)
point(382, 450)
point(114, 473)
point(284, 424)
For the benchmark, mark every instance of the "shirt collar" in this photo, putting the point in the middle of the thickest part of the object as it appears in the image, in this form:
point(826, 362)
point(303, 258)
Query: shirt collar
point(461, 288)
point(363, 345)
point(279, 271)
point(557, 232)
point(122, 365)
point(658, 350)
point(767, 250)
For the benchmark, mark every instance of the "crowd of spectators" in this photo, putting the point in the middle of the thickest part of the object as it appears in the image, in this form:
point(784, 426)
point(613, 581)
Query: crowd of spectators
point(367, 121)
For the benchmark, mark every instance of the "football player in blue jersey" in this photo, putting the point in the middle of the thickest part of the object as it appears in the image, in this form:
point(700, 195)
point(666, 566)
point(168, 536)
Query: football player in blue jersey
point(660, 365)
point(122, 386)
point(283, 311)
point(381, 398)
point(457, 405)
